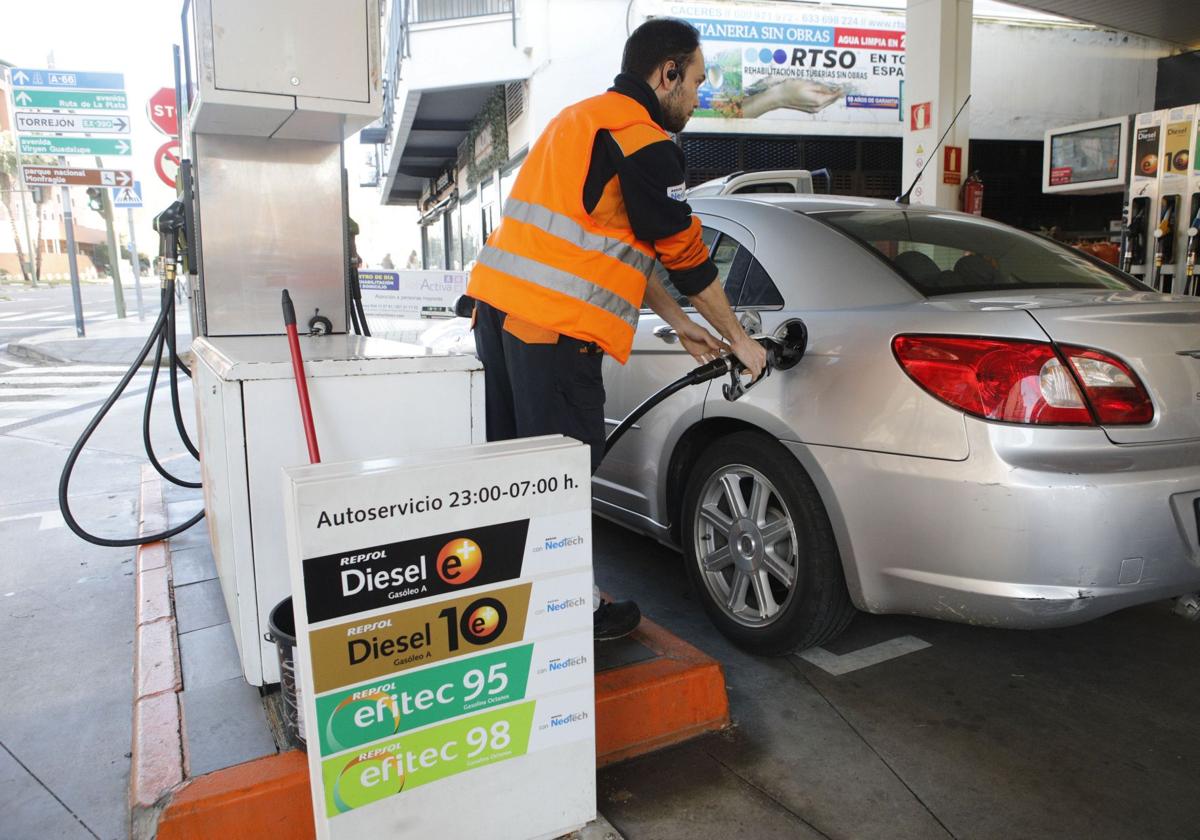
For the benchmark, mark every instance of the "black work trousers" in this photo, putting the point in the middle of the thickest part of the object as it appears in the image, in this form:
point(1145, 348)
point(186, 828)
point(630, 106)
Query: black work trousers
point(540, 389)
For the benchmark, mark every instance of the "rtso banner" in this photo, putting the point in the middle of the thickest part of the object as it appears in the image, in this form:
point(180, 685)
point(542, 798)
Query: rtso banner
point(799, 63)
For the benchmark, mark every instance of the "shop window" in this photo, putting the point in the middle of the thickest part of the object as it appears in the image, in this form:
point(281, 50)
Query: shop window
point(472, 220)
point(454, 238)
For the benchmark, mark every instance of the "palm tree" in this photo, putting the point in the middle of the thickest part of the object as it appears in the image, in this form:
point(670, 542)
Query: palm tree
point(9, 170)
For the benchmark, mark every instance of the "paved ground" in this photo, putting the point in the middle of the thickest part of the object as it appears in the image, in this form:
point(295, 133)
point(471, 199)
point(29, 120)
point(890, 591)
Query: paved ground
point(1084, 732)
point(66, 606)
point(1087, 732)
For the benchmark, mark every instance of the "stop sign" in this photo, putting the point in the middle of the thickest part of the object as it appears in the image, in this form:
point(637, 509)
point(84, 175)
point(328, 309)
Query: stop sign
point(161, 110)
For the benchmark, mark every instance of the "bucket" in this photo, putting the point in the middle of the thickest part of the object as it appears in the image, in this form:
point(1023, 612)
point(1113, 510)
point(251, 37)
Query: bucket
point(282, 626)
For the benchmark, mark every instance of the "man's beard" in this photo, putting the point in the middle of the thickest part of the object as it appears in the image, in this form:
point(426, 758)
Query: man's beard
point(675, 113)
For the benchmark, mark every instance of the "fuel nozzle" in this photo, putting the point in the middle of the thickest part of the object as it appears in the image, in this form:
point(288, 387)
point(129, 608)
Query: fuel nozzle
point(785, 349)
point(168, 225)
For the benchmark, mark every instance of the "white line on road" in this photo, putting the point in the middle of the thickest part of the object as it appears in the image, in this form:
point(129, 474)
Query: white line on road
point(49, 519)
point(866, 657)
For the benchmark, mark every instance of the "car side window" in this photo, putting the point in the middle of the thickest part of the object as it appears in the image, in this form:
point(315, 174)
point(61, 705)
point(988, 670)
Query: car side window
point(767, 187)
point(744, 280)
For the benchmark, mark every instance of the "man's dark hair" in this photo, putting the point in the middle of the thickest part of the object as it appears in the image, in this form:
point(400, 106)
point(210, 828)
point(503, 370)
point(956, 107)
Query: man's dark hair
point(658, 41)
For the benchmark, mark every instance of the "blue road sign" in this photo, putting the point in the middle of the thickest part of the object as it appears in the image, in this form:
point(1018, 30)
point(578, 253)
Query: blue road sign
point(66, 79)
point(128, 196)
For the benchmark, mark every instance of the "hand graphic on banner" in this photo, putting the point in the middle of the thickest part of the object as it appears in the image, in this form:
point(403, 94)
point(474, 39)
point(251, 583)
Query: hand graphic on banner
point(797, 94)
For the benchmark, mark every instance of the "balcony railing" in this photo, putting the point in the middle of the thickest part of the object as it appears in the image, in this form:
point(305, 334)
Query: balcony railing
point(427, 11)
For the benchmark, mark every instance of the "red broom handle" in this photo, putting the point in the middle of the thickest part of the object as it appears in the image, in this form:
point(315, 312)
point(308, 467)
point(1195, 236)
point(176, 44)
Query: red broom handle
point(310, 431)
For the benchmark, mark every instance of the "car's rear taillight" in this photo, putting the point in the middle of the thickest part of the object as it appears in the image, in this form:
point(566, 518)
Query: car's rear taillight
point(1016, 381)
point(1114, 391)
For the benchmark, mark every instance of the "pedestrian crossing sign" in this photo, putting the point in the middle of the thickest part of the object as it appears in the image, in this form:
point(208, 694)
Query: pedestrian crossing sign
point(130, 197)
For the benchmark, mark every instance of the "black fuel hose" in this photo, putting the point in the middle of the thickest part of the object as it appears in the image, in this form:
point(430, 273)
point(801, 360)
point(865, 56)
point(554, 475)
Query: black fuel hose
point(161, 335)
point(712, 370)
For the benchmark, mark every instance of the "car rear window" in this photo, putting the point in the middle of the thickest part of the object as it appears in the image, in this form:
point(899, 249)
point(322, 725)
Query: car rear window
point(943, 254)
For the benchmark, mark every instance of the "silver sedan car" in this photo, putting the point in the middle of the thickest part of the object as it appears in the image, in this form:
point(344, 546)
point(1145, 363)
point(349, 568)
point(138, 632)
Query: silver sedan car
point(987, 427)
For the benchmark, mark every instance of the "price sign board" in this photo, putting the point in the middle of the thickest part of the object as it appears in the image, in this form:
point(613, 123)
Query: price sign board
point(444, 632)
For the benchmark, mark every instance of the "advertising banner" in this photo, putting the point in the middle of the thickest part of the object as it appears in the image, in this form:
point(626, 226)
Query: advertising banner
point(1177, 149)
point(444, 629)
point(411, 294)
point(796, 61)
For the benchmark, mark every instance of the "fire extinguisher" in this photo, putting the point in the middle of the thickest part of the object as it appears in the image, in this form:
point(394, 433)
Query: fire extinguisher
point(971, 194)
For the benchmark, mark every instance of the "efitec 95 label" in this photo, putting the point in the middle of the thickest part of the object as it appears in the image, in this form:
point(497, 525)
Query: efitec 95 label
point(385, 708)
point(350, 582)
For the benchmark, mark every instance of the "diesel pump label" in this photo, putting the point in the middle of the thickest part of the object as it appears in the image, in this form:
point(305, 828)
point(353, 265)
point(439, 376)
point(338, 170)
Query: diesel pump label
point(337, 585)
point(392, 767)
point(384, 708)
point(425, 634)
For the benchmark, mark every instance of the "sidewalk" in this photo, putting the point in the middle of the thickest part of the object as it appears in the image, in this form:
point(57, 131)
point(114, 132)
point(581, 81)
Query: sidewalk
point(106, 342)
point(118, 342)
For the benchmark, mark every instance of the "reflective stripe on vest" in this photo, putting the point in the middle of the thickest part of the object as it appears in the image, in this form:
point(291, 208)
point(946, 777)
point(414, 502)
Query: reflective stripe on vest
point(566, 228)
point(559, 281)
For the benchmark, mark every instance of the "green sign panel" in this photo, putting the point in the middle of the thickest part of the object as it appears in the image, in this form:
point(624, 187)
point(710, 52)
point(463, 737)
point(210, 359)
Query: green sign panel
point(65, 99)
point(74, 146)
point(384, 708)
point(427, 755)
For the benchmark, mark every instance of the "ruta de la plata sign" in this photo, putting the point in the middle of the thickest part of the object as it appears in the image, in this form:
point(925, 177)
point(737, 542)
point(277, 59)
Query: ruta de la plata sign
point(443, 624)
point(66, 100)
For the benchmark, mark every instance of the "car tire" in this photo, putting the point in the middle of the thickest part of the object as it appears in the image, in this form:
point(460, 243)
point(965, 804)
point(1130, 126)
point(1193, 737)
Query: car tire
point(739, 560)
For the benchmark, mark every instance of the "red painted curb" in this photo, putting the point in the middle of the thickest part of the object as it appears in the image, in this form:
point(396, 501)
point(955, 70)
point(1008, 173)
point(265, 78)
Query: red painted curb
point(156, 759)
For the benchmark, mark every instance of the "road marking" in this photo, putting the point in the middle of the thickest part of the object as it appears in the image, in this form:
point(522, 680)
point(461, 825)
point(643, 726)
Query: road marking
point(856, 660)
point(49, 519)
point(72, 369)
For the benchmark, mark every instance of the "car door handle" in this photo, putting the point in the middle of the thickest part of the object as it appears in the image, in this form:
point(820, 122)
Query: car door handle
point(667, 333)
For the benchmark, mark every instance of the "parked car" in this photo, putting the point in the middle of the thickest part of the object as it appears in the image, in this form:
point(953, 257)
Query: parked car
point(796, 181)
point(987, 427)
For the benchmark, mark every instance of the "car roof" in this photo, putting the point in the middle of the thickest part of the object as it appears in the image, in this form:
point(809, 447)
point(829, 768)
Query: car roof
point(802, 203)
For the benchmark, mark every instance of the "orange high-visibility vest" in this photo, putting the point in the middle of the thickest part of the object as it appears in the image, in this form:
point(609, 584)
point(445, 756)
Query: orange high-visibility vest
point(548, 262)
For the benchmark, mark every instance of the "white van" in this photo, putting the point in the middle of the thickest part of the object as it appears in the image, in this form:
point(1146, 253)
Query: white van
point(766, 181)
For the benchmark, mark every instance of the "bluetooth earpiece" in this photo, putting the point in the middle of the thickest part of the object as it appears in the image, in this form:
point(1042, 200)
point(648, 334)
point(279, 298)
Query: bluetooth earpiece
point(672, 74)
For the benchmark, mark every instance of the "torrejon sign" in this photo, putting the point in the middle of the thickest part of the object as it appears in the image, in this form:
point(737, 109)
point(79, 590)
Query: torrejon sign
point(52, 176)
point(28, 121)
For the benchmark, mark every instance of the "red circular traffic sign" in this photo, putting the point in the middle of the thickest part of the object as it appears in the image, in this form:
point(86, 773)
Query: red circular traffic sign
point(166, 162)
point(161, 110)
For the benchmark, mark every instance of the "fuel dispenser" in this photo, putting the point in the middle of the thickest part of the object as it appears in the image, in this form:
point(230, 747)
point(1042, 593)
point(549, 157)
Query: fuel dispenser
point(1176, 188)
point(270, 91)
point(1144, 210)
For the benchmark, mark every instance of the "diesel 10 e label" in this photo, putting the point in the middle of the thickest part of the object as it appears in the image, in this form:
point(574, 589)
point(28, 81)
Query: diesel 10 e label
point(349, 582)
point(421, 635)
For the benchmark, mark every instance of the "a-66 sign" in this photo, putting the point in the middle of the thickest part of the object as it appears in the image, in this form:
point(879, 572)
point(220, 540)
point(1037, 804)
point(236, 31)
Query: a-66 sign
point(162, 112)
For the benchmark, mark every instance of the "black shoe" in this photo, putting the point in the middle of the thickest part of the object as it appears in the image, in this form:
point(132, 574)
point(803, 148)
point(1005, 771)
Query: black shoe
point(615, 620)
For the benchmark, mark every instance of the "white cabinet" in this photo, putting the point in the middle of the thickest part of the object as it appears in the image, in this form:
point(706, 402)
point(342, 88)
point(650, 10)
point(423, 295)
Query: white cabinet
point(371, 398)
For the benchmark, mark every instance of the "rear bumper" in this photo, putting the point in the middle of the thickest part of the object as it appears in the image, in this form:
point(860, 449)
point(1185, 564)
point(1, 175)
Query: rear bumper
point(1036, 528)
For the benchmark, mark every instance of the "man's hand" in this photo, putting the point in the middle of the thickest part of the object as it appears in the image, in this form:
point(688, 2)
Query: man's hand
point(751, 354)
point(699, 342)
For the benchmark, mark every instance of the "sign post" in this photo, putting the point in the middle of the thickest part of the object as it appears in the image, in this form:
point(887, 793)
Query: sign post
point(129, 198)
point(443, 610)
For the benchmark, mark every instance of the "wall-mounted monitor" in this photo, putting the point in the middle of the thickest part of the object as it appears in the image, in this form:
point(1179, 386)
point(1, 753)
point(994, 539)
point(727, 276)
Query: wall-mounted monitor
point(1089, 157)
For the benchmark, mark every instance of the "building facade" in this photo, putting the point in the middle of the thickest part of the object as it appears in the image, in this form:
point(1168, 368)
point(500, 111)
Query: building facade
point(469, 84)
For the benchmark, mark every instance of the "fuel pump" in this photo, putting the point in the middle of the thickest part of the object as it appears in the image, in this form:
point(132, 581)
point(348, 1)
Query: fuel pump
point(1135, 253)
point(1164, 243)
point(1193, 243)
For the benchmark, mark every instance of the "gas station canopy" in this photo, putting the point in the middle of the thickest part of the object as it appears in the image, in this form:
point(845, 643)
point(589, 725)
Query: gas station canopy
point(1167, 20)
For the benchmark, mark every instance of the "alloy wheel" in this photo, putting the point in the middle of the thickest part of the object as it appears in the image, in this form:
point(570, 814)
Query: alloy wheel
point(746, 545)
